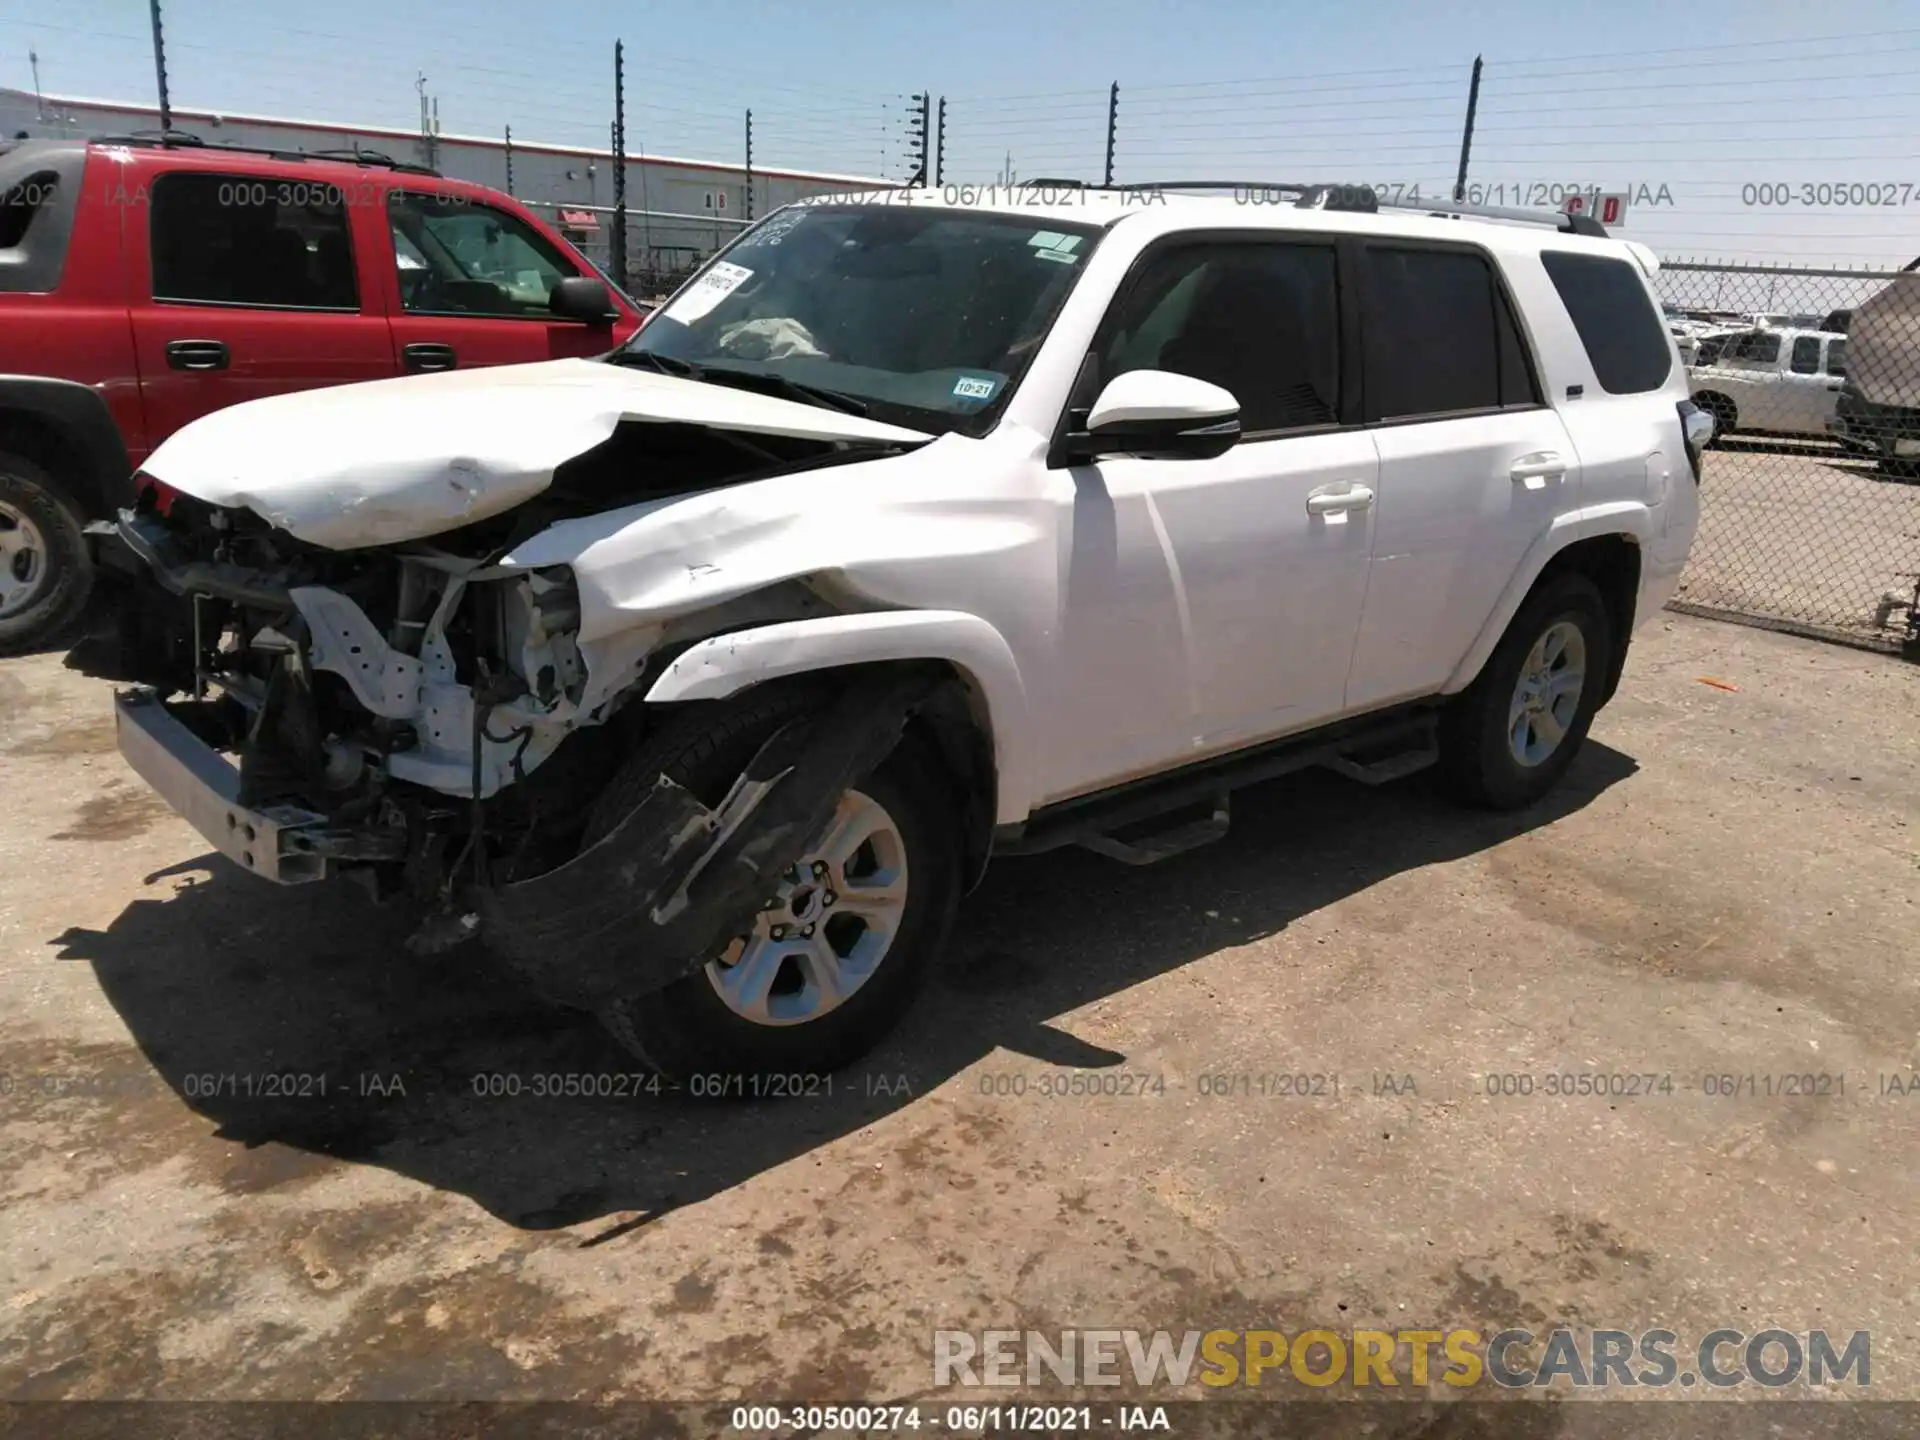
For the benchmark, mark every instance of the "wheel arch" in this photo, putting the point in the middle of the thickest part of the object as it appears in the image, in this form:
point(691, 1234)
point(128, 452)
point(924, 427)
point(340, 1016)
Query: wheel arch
point(66, 429)
point(1605, 544)
point(976, 722)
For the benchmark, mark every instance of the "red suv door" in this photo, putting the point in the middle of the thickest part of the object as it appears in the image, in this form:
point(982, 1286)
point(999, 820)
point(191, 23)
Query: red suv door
point(242, 283)
point(473, 280)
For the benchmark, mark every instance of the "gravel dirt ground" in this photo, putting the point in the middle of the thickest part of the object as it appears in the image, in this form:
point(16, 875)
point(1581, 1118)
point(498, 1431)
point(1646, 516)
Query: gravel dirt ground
point(1725, 887)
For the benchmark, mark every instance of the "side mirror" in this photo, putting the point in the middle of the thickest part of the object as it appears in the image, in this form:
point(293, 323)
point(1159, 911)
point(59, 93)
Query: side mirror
point(1160, 415)
point(581, 297)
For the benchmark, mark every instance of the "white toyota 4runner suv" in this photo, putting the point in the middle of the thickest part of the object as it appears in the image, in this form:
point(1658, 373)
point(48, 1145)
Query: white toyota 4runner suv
point(699, 681)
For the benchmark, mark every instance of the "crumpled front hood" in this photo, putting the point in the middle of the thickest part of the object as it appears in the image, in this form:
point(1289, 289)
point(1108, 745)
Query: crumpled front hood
point(394, 460)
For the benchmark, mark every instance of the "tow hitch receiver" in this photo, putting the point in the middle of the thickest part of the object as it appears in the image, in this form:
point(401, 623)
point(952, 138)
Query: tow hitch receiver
point(668, 887)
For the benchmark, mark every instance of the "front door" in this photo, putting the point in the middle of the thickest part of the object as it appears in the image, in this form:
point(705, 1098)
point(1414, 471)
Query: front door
point(1213, 603)
point(474, 282)
point(1749, 372)
point(1806, 393)
point(241, 287)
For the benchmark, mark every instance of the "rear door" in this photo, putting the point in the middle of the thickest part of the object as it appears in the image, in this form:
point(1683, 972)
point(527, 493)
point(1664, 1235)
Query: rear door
point(242, 286)
point(1473, 465)
point(473, 283)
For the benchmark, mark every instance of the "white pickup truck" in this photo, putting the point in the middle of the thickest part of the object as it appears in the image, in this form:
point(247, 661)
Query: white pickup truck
point(1770, 381)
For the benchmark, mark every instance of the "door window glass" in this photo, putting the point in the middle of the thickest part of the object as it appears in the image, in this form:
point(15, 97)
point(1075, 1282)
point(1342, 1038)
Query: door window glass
point(1440, 337)
point(1262, 321)
point(241, 240)
point(457, 257)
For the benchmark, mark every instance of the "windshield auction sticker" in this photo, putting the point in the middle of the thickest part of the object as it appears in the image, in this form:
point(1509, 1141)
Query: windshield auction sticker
point(720, 281)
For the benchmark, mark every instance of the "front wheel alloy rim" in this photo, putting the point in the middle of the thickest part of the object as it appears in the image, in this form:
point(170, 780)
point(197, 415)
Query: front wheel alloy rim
point(1547, 694)
point(826, 929)
point(23, 560)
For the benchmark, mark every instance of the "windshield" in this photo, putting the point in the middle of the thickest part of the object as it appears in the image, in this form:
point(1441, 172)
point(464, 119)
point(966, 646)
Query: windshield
point(927, 316)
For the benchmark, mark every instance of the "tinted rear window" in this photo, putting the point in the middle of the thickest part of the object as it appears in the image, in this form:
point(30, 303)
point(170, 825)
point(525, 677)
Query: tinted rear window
point(1440, 338)
point(1617, 322)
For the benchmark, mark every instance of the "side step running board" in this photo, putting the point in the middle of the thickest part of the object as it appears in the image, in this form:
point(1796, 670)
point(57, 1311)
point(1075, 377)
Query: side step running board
point(1165, 844)
point(1372, 749)
point(1385, 769)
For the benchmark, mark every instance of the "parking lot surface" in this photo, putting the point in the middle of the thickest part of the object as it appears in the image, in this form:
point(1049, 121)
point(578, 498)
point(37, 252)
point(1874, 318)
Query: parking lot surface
point(1801, 531)
point(249, 1147)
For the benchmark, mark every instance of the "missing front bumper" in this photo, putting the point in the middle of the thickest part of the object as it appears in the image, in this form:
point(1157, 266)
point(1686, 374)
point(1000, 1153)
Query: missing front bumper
point(282, 843)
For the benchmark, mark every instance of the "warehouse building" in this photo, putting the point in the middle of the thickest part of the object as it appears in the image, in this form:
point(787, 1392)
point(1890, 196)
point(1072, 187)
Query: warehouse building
point(679, 211)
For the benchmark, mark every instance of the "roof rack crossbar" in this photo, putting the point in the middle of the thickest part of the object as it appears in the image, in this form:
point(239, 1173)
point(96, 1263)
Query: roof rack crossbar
point(186, 140)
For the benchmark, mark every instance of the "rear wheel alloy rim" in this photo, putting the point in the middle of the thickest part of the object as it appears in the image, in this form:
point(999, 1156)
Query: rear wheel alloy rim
point(827, 928)
point(1547, 695)
point(23, 560)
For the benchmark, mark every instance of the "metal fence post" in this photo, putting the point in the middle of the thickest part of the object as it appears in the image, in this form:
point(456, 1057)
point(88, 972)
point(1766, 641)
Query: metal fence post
point(618, 249)
point(1113, 124)
point(1466, 135)
point(159, 69)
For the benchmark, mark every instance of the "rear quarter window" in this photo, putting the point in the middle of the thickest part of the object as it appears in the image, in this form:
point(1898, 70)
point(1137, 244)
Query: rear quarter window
point(1624, 338)
point(37, 201)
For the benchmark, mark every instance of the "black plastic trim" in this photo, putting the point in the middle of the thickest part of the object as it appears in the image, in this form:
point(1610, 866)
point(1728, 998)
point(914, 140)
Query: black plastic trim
point(1069, 821)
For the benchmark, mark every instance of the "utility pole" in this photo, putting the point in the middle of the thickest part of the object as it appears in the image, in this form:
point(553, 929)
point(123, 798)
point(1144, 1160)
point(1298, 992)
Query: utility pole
point(619, 247)
point(39, 105)
point(748, 214)
point(1113, 124)
point(159, 69)
point(940, 146)
point(433, 139)
point(426, 122)
point(1466, 135)
point(509, 159)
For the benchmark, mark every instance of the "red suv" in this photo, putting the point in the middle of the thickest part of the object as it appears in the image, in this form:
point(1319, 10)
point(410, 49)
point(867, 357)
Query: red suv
point(144, 283)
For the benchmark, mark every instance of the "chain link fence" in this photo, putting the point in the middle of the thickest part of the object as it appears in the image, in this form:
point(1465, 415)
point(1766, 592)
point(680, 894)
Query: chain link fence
point(1810, 500)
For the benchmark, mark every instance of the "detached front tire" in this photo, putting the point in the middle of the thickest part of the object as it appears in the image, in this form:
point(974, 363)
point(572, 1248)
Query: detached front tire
point(45, 573)
point(827, 969)
point(1507, 739)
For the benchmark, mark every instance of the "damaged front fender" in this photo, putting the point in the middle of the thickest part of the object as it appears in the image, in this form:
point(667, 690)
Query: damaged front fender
point(666, 889)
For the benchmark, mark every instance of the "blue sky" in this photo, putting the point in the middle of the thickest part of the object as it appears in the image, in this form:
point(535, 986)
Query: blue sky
point(1686, 106)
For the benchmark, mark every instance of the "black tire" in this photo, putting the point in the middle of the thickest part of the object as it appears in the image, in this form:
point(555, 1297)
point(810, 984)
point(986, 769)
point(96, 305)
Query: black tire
point(686, 1030)
point(1722, 411)
point(61, 572)
point(1477, 765)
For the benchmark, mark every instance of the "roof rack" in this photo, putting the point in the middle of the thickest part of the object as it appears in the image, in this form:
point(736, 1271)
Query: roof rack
point(185, 140)
point(1364, 199)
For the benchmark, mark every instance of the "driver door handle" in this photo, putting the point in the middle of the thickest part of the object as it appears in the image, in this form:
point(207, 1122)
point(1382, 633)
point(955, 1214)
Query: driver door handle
point(425, 358)
point(1540, 466)
point(198, 355)
point(1338, 498)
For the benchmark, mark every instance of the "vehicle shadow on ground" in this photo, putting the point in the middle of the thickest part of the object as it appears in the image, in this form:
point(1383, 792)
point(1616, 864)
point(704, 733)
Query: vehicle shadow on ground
point(232, 978)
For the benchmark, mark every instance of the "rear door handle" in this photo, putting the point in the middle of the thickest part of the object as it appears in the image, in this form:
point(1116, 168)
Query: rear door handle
point(1339, 498)
point(197, 355)
point(1536, 469)
point(425, 357)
